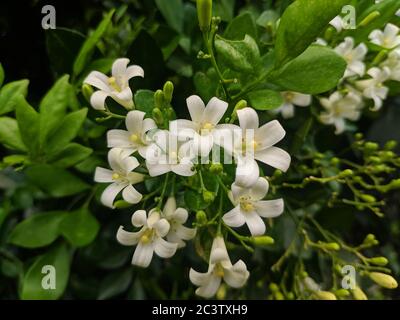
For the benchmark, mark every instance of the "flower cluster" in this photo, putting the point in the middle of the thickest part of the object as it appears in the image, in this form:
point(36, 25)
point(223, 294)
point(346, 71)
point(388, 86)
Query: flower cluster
point(182, 149)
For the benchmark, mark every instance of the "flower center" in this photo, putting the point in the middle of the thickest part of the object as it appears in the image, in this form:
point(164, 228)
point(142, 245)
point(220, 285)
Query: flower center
point(134, 138)
point(289, 96)
point(147, 236)
point(115, 176)
point(219, 270)
point(113, 83)
point(206, 128)
point(246, 204)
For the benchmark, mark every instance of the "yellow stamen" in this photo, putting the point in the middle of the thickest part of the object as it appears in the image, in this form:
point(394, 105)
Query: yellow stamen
point(208, 126)
point(134, 138)
point(289, 96)
point(219, 270)
point(115, 176)
point(246, 206)
point(147, 236)
point(113, 83)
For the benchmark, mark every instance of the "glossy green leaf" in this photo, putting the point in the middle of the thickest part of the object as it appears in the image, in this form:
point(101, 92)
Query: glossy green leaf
point(10, 135)
point(223, 9)
point(38, 230)
point(9, 94)
point(240, 26)
point(172, 11)
point(265, 99)
point(72, 154)
point(115, 283)
point(144, 100)
point(300, 25)
point(80, 227)
point(56, 260)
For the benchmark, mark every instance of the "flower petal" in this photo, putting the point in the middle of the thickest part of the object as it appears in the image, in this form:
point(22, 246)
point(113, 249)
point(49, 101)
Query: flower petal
point(302, 100)
point(98, 80)
point(275, 157)
point(143, 255)
point(164, 249)
point(199, 278)
point(169, 207)
point(196, 108)
point(157, 169)
point(134, 71)
point(98, 100)
point(269, 208)
point(247, 172)
point(248, 118)
point(119, 67)
point(210, 288)
point(131, 195)
point(134, 121)
point(185, 233)
point(234, 218)
point(214, 111)
point(110, 193)
point(259, 190)
point(162, 227)
point(103, 175)
point(236, 276)
point(183, 169)
point(128, 238)
point(139, 218)
point(255, 224)
point(118, 139)
point(269, 134)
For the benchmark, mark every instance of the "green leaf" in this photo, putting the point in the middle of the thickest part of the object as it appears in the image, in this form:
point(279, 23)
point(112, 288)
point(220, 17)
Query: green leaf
point(268, 19)
point(144, 101)
point(10, 135)
point(241, 56)
point(71, 155)
point(240, 26)
point(55, 181)
point(67, 130)
point(172, 11)
point(1, 75)
point(315, 71)
point(80, 227)
point(9, 94)
point(53, 106)
point(38, 230)
point(206, 84)
point(90, 44)
point(65, 43)
point(28, 123)
point(300, 25)
point(115, 284)
point(194, 201)
point(301, 135)
point(32, 288)
point(223, 9)
point(265, 99)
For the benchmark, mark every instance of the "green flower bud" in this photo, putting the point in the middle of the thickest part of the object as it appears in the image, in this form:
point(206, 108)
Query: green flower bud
point(87, 91)
point(384, 280)
point(279, 296)
point(331, 246)
point(371, 146)
point(375, 159)
point(273, 287)
point(159, 99)
point(122, 204)
point(346, 173)
point(395, 184)
point(358, 294)
point(157, 116)
point(208, 196)
point(358, 136)
point(324, 295)
point(278, 173)
point(216, 168)
point(368, 198)
point(388, 154)
point(201, 217)
point(241, 105)
point(369, 18)
point(170, 113)
point(262, 241)
point(342, 293)
point(390, 145)
point(379, 261)
point(290, 296)
point(204, 14)
point(335, 161)
point(221, 293)
point(168, 91)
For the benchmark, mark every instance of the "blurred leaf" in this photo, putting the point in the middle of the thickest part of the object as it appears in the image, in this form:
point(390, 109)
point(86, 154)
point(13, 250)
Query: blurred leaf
point(206, 84)
point(315, 71)
point(79, 227)
point(301, 135)
point(115, 283)
point(38, 230)
point(144, 101)
point(265, 99)
point(223, 9)
point(194, 200)
point(172, 11)
point(90, 44)
point(240, 26)
point(300, 25)
point(55, 181)
point(268, 18)
point(32, 288)
point(70, 155)
point(1, 75)
point(10, 135)
point(9, 94)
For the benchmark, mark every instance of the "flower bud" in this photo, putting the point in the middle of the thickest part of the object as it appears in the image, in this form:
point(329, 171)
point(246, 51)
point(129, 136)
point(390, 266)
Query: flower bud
point(346, 173)
point(290, 296)
point(379, 261)
point(342, 293)
point(371, 146)
point(369, 18)
point(335, 161)
point(358, 294)
point(159, 99)
point(208, 196)
point(390, 145)
point(330, 246)
point(216, 168)
point(368, 198)
point(168, 91)
point(358, 136)
point(324, 295)
point(273, 287)
point(262, 241)
point(157, 116)
point(221, 293)
point(384, 280)
point(122, 204)
point(204, 14)
point(279, 296)
point(87, 91)
point(201, 217)
point(241, 105)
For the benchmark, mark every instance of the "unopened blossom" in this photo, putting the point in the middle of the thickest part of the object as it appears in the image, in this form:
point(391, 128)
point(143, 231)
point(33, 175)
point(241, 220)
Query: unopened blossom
point(167, 153)
point(337, 23)
point(393, 64)
point(176, 218)
point(148, 239)
point(116, 86)
point(121, 177)
point(339, 107)
point(204, 122)
point(251, 143)
point(374, 87)
point(135, 138)
point(388, 39)
point(250, 207)
point(220, 268)
point(292, 99)
point(354, 57)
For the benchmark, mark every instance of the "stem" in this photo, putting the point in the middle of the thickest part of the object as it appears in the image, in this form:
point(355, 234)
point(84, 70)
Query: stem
point(240, 238)
point(163, 191)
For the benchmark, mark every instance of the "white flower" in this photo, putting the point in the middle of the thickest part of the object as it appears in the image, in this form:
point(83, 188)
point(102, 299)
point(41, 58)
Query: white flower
point(176, 218)
point(204, 122)
point(249, 207)
point(374, 88)
point(337, 23)
point(135, 139)
point(116, 86)
point(121, 177)
point(251, 143)
point(149, 238)
point(167, 154)
point(220, 267)
point(393, 64)
point(339, 107)
point(387, 39)
point(292, 99)
point(354, 57)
